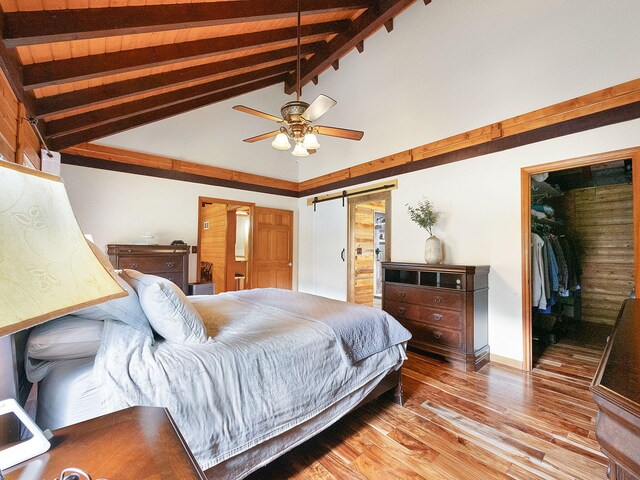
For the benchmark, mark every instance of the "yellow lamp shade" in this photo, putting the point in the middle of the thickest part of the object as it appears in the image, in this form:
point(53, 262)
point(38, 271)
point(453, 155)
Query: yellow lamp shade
point(47, 268)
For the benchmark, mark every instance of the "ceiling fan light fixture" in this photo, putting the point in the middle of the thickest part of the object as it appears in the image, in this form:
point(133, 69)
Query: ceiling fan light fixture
point(281, 142)
point(310, 142)
point(300, 151)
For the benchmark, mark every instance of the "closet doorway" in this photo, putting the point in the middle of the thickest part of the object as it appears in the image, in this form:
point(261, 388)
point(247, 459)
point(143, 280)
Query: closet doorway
point(225, 232)
point(580, 221)
point(369, 244)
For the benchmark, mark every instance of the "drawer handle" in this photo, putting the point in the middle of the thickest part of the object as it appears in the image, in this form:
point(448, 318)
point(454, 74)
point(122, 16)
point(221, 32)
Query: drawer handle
point(171, 264)
point(437, 316)
point(402, 309)
point(403, 294)
point(134, 266)
point(438, 299)
point(437, 335)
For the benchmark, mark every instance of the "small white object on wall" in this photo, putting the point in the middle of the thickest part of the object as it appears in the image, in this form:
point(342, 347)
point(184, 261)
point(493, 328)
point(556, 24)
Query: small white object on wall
point(50, 162)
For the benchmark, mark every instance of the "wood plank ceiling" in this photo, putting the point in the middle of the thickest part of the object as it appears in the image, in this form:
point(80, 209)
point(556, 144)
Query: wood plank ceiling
point(91, 68)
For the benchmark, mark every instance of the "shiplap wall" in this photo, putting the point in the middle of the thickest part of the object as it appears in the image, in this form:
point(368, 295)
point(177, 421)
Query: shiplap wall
point(213, 242)
point(601, 220)
point(18, 141)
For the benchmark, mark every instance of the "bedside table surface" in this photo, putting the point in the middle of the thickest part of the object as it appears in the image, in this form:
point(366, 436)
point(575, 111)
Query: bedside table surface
point(135, 443)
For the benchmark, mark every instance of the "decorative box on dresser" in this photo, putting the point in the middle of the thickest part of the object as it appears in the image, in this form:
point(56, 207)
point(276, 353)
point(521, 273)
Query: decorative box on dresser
point(616, 389)
point(167, 261)
point(443, 306)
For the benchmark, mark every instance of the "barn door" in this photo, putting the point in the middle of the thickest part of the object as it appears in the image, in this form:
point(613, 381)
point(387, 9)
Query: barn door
point(273, 248)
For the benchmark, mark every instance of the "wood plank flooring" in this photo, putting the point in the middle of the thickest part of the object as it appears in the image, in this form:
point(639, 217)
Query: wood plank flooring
point(498, 423)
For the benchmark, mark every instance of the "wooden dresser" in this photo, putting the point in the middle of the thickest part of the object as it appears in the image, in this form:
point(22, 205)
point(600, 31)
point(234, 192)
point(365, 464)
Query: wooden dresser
point(130, 444)
point(616, 389)
point(443, 306)
point(167, 261)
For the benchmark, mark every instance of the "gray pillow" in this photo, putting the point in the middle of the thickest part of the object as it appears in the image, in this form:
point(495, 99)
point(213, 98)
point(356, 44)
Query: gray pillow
point(126, 309)
point(65, 338)
point(167, 308)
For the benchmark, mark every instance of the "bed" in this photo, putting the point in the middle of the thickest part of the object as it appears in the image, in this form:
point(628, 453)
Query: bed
point(275, 368)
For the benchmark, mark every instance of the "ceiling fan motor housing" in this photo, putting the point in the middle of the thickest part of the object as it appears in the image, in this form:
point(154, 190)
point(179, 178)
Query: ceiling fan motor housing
point(292, 111)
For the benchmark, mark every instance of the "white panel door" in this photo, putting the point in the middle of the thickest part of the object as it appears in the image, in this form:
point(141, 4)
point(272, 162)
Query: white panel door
point(330, 243)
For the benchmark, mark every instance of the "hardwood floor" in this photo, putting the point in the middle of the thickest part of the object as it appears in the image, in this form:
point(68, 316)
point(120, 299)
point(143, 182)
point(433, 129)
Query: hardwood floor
point(498, 423)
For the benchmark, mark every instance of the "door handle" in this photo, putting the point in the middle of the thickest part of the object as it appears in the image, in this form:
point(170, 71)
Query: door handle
point(342, 254)
point(290, 264)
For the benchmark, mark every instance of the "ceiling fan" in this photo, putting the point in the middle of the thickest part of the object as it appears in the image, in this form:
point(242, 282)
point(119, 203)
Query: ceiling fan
point(297, 120)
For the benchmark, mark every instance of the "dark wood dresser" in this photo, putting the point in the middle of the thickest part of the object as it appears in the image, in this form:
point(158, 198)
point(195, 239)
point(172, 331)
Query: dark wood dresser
point(616, 389)
point(130, 444)
point(166, 261)
point(443, 306)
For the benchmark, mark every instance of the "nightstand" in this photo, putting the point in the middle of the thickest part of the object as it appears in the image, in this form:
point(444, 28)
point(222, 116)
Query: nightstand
point(131, 444)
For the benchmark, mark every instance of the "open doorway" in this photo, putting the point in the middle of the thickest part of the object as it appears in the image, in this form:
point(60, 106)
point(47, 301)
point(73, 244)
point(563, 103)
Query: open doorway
point(580, 258)
point(369, 245)
point(224, 244)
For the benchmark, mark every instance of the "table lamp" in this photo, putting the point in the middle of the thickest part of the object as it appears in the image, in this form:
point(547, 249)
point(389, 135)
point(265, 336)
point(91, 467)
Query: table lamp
point(47, 269)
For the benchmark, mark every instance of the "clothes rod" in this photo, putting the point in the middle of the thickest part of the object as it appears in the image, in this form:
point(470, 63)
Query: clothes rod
point(355, 192)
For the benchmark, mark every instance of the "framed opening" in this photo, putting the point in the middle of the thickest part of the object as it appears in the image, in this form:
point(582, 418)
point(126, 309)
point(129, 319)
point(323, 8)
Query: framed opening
point(526, 199)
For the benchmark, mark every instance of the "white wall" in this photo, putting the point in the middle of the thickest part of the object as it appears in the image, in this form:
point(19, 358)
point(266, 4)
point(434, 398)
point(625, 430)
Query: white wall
point(479, 200)
point(449, 67)
point(118, 207)
point(456, 65)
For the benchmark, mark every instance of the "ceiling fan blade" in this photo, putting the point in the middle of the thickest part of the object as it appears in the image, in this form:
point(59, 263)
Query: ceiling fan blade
point(340, 132)
point(257, 113)
point(319, 107)
point(311, 151)
point(262, 137)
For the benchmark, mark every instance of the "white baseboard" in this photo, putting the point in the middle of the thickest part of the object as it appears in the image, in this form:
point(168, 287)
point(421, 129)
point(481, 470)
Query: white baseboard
point(510, 362)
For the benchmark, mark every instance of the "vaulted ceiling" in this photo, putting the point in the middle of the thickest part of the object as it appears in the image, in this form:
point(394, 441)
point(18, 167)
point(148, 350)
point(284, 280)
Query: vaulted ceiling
point(91, 68)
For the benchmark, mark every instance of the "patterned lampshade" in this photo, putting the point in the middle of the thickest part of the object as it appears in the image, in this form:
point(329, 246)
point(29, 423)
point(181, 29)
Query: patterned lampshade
point(47, 268)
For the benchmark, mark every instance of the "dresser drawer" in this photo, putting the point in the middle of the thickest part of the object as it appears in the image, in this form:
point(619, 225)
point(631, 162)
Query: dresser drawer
point(433, 335)
point(419, 313)
point(425, 296)
point(152, 264)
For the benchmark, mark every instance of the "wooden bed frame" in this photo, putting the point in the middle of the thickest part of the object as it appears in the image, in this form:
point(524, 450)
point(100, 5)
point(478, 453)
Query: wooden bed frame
point(390, 385)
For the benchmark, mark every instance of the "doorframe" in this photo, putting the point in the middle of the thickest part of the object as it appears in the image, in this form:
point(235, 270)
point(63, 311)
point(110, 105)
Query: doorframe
point(384, 196)
point(227, 202)
point(525, 222)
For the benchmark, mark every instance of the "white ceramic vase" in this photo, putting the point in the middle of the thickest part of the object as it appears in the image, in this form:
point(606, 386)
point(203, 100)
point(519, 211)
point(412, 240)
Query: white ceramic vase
point(433, 250)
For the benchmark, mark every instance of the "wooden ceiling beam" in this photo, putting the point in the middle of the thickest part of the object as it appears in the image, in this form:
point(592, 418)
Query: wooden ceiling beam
point(83, 121)
point(362, 27)
point(47, 26)
point(67, 102)
point(137, 120)
point(57, 72)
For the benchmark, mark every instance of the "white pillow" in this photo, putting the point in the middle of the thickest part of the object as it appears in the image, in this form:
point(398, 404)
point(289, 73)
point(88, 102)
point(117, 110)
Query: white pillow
point(125, 309)
point(170, 313)
point(65, 338)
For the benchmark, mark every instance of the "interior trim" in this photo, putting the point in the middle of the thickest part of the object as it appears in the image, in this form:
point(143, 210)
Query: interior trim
point(525, 222)
point(608, 106)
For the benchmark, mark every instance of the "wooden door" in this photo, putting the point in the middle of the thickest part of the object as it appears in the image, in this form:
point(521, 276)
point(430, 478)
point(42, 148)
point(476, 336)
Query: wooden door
point(272, 248)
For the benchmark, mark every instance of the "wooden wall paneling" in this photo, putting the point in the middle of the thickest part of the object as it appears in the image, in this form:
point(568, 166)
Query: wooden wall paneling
point(9, 115)
point(27, 142)
point(360, 266)
point(635, 165)
point(213, 242)
point(600, 220)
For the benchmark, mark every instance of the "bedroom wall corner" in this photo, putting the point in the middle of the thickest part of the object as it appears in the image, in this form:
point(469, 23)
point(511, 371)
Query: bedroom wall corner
point(118, 207)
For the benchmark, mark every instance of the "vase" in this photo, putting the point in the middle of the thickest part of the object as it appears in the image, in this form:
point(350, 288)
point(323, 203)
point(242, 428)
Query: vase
point(433, 250)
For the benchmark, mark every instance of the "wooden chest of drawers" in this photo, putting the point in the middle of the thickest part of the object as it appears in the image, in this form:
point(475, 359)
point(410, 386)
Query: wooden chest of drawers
point(167, 261)
point(443, 306)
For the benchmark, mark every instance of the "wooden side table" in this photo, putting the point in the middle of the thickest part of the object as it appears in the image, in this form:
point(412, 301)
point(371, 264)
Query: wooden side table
point(135, 443)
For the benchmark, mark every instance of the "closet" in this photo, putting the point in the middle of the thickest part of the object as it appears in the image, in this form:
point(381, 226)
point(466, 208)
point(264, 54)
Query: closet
point(582, 258)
